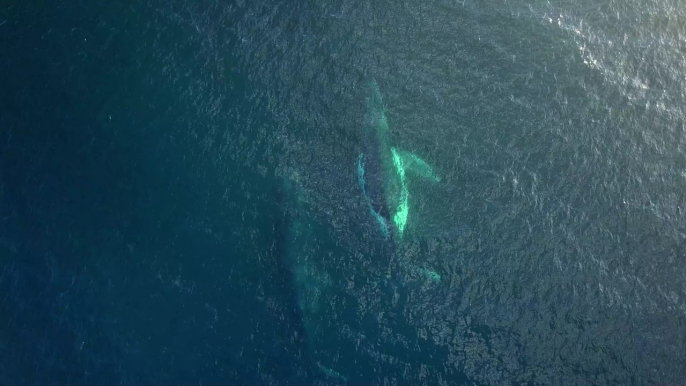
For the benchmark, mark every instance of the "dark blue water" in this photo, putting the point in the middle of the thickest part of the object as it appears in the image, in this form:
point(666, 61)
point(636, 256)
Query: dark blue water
point(179, 201)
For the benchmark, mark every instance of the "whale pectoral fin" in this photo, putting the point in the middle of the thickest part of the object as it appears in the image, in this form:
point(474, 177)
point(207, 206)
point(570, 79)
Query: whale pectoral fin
point(417, 166)
point(330, 373)
point(377, 216)
point(427, 274)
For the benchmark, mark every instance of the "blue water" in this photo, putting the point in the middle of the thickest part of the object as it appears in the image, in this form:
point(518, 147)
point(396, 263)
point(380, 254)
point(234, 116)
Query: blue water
point(179, 199)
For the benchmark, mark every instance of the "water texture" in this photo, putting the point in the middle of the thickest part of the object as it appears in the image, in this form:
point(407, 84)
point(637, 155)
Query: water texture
point(180, 195)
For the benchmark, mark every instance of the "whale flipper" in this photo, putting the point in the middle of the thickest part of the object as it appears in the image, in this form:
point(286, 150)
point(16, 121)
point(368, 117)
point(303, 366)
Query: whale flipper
point(331, 374)
point(382, 170)
point(376, 214)
point(417, 166)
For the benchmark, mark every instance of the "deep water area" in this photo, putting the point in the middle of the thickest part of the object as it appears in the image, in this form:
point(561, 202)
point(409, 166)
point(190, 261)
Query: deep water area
point(260, 192)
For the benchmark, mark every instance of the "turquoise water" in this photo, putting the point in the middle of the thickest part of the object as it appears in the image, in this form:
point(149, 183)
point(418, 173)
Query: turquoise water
point(180, 201)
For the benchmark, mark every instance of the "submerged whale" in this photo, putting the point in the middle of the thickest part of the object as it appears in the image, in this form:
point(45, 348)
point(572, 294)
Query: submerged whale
point(383, 170)
point(312, 280)
point(383, 173)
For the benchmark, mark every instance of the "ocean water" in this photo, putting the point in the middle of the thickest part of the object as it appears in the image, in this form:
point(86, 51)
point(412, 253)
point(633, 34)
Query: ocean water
point(180, 204)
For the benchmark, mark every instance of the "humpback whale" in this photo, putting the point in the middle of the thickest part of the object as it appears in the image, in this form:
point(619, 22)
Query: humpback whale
point(311, 279)
point(383, 171)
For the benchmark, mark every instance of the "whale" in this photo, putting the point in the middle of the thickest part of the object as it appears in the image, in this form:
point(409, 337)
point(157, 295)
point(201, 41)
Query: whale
point(311, 280)
point(383, 170)
point(385, 173)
